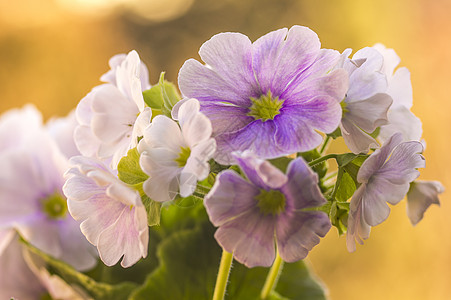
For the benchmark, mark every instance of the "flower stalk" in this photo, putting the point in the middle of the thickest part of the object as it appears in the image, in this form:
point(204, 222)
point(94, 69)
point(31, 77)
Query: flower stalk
point(223, 275)
point(273, 277)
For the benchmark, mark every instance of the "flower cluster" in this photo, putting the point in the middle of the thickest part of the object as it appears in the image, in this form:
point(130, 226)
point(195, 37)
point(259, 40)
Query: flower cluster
point(247, 136)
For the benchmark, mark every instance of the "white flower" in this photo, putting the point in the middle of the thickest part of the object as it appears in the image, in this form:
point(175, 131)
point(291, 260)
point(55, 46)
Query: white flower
point(31, 199)
point(112, 215)
point(421, 195)
point(174, 157)
point(385, 176)
point(113, 115)
point(400, 118)
point(366, 102)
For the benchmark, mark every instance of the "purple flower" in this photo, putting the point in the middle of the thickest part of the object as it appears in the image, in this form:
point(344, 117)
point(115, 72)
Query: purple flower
point(384, 177)
point(270, 96)
point(421, 195)
point(270, 205)
point(31, 198)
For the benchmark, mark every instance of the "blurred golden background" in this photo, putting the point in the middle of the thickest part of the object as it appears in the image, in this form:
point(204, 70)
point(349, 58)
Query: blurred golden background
point(52, 52)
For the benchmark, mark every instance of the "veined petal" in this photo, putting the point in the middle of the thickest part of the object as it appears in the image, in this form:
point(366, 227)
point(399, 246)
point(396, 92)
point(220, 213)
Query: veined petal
point(196, 127)
point(260, 172)
point(164, 133)
point(229, 197)
point(279, 56)
point(250, 237)
point(299, 232)
point(127, 237)
point(302, 186)
point(358, 229)
point(355, 138)
point(369, 113)
point(402, 120)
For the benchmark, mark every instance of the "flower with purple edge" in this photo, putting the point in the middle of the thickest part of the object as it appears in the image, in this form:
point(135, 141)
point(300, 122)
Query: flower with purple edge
point(421, 195)
point(112, 215)
point(385, 176)
point(113, 115)
point(270, 207)
point(366, 103)
point(270, 96)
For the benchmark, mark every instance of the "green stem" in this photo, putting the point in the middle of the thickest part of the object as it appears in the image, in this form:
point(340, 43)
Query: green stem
point(321, 159)
point(273, 277)
point(223, 275)
point(324, 146)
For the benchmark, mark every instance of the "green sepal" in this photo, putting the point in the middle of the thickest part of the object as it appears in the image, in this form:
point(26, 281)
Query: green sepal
point(375, 133)
point(335, 134)
point(281, 163)
point(162, 97)
point(129, 170)
point(153, 209)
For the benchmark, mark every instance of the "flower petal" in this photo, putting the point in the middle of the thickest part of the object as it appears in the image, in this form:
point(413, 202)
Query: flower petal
point(229, 197)
point(421, 195)
point(260, 172)
point(299, 232)
point(250, 237)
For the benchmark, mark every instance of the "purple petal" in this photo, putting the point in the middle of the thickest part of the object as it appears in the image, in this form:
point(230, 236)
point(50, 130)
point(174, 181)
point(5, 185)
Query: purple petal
point(421, 195)
point(250, 237)
point(279, 57)
point(299, 232)
point(260, 172)
point(302, 187)
point(402, 165)
point(257, 137)
point(230, 196)
point(376, 160)
point(358, 229)
point(303, 89)
point(226, 118)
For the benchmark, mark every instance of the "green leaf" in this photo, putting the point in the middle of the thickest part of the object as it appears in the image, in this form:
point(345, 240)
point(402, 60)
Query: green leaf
point(153, 97)
point(189, 261)
point(344, 159)
point(95, 289)
point(346, 188)
point(129, 170)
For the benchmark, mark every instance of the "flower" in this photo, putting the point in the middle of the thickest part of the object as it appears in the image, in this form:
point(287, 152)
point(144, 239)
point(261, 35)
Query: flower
point(112, 215)
point(400, 118)
point(385, 176)
point(366, 103)
point(31, 200)
point(62, 132)
point(113, 115)
point(421, 195)
point(268, 206)
point(174, 157)
point(16, 278)
point(24, 275)
point(270, 96)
